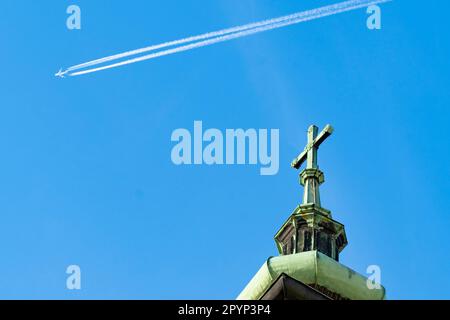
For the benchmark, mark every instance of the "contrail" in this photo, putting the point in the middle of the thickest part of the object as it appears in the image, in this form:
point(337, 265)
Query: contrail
point(221, 32)
point(219, 36)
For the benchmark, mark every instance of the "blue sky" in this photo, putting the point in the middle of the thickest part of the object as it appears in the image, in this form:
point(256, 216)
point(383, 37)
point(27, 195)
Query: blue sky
point(86, 176)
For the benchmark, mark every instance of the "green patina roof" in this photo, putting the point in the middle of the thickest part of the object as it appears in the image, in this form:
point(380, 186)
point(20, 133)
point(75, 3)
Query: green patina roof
point(312, 268)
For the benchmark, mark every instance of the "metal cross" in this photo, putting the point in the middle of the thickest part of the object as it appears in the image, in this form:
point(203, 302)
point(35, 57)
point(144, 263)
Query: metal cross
point(310, 153)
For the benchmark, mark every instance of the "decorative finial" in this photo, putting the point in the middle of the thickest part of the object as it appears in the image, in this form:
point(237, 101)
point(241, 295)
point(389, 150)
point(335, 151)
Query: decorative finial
point(311, 177)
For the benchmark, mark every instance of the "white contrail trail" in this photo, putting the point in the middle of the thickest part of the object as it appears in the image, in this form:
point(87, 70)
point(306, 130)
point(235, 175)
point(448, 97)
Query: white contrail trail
point(221, 32)
point(221, 36)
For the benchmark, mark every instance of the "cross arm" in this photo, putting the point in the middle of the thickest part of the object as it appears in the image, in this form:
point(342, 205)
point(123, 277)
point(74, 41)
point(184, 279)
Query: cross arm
point(299, 160)
point(326, 132)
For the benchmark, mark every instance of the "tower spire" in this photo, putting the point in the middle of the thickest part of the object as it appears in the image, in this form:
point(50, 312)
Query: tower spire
point(311, 227)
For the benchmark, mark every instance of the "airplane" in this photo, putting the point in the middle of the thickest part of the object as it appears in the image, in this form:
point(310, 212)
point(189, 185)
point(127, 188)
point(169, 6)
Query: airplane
point(60, 73)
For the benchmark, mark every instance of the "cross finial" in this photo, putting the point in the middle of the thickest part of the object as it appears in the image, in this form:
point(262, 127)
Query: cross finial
point(309, 154)
point(312, 177)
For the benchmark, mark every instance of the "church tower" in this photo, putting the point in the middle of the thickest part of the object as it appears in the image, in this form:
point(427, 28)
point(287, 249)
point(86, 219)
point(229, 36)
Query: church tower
point(309, 244)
